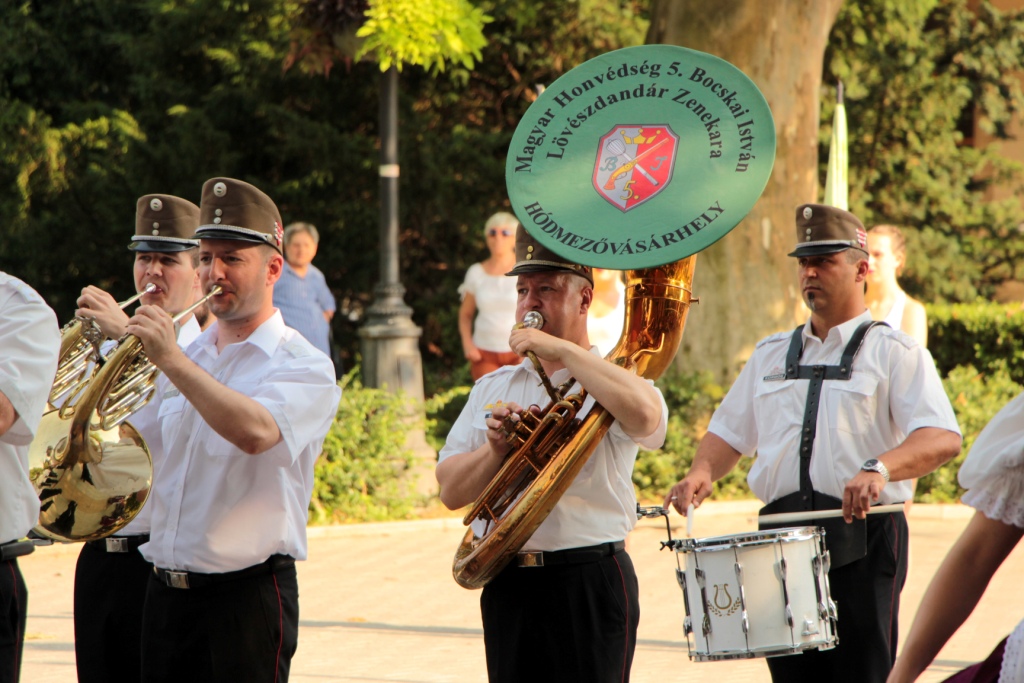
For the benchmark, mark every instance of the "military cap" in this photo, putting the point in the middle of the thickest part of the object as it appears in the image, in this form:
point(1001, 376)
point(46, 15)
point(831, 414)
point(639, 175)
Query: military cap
point(165, 223)
point(534, 257)
point(235, 210)
point(823, 229)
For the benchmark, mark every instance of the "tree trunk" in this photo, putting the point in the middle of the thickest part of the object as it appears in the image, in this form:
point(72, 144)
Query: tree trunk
point(747, 285)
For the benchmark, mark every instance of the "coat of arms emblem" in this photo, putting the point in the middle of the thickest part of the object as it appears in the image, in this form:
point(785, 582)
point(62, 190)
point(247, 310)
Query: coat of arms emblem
point(634, 163)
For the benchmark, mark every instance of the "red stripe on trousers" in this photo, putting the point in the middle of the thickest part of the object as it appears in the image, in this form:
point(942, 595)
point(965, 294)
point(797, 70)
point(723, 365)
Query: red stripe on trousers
point(625, 595)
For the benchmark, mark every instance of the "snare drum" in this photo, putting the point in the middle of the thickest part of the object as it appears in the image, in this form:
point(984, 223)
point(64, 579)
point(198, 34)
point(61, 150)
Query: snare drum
point(757, 594)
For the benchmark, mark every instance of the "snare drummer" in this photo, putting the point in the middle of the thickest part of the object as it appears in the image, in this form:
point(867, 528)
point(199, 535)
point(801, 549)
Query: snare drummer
point(566, 608)
point(867, 430)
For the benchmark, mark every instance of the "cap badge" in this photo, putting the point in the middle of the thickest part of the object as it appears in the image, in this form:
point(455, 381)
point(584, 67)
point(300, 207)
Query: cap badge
point(808, 213)
point(156, 204)
point(220, 189)
point(862, 238)
point(278, 233)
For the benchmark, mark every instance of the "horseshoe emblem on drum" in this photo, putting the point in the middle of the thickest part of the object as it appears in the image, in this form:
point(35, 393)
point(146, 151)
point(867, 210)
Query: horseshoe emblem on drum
point(730, 605)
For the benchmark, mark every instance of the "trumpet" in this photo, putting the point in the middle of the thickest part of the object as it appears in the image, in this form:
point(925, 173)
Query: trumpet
point(90, 467)
point(80, 341)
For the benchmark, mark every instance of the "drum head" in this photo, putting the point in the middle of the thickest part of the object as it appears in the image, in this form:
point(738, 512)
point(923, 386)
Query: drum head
point(640, 157)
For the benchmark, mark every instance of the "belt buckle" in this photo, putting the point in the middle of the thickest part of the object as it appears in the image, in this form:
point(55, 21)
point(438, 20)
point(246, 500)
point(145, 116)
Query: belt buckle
point(177, 579)
point(529, 558)
point(116, 544)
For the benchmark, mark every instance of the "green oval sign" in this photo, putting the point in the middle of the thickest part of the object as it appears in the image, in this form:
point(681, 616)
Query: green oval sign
point(640, 157)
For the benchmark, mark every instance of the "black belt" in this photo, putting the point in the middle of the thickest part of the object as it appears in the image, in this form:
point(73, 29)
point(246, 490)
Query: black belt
point(15, 549)
point(118, 544)
point(181, 579)
point(546, 558)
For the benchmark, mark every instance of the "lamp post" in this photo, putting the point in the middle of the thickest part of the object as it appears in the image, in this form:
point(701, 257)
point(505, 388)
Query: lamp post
point(389, 339)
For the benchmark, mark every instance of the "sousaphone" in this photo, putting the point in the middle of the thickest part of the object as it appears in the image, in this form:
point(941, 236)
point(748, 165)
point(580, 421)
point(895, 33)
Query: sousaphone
point(632, 161)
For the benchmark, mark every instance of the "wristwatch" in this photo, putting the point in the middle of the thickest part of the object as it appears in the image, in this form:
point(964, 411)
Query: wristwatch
point(874, 465)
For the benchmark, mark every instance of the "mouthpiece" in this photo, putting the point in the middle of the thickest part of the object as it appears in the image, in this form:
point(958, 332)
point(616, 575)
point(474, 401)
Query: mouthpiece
point(533, 320)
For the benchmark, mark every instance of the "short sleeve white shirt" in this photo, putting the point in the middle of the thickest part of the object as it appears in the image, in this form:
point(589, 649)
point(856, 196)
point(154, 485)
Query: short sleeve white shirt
point(894, 389)
point(29, 345)
point(146, 422)
point(600, 504)
point(216, 508)
point(496, 300)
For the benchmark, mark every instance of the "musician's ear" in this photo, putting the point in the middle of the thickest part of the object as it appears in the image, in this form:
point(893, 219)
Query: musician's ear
point(586, 298)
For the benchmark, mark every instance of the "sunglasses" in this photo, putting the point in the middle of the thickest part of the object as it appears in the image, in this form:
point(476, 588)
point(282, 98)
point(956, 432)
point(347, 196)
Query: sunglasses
point(493, 232)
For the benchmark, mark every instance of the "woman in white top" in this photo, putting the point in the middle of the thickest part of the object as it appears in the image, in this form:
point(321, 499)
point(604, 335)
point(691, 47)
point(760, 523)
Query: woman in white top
point(887, 251)
point(489, 296)
point(993, 473)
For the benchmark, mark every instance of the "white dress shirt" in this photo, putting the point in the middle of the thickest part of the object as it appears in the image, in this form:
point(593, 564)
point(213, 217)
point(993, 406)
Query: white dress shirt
point(894, 389)
point(29, 345)
point(600, 504)
point(146, 422)
point(214, 507)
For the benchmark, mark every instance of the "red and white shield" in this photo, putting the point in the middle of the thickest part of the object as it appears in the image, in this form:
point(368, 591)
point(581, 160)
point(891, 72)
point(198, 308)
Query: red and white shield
point(635, 163)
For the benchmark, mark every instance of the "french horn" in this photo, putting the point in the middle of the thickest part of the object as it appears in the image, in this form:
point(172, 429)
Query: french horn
point(90, 467)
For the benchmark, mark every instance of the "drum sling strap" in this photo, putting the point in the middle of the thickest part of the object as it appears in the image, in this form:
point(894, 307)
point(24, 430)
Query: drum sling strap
point(846, 543)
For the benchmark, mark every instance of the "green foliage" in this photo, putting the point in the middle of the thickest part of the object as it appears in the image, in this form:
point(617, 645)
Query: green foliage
point(988, 336)
point(691, 398)
point(976, 399)
point(443, 408)
point(359, 475)
point(920, 76)
point(424, 33)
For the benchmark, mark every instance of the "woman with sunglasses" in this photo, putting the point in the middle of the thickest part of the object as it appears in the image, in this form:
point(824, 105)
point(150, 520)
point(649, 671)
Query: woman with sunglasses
point(488, 309)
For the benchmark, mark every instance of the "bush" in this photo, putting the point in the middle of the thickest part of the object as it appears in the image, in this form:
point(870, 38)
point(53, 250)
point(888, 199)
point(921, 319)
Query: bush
point(976, 398)
point(691, 398)
point(359, 475)
point(986, 335)
point(442, 410)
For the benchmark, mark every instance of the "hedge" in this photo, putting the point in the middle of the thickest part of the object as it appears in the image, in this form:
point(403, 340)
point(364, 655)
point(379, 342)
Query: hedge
point(986, 335)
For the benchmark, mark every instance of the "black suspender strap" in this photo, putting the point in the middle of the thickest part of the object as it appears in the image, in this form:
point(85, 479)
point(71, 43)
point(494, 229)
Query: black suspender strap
point(817, 374)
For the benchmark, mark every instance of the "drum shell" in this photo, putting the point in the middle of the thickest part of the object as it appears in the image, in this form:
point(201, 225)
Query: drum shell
point(756, 594)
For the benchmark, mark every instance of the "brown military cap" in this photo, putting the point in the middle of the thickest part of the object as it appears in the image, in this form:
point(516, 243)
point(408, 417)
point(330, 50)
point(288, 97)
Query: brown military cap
point(823, 229)
point(534, 257)
point(165, 223)
point(235, 210)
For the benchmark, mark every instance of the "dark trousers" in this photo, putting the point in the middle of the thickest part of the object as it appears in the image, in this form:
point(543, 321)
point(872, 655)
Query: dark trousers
point(239, 630)
point(574, 622)
point(867, 596)
point(110, 591)
point(13, 613)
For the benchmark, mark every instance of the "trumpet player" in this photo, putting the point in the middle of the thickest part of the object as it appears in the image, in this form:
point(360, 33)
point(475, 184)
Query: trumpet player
point(111, 574)
point(566, 608)
point(29, 344)
point(243, 415)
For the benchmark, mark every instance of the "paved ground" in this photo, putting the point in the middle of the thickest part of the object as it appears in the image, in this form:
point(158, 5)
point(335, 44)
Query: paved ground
point(379, 604)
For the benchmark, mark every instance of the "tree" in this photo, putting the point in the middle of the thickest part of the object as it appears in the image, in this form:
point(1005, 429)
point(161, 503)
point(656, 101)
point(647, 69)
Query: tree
point(919, 77)
point(746, 283)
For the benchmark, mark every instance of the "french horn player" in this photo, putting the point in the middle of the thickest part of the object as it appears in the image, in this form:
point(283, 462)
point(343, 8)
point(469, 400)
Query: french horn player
point(566, 604)
point(29, 343)
point(111, 574)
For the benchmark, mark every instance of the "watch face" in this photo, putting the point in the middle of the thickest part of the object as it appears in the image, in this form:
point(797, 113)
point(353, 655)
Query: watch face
point(870, 463)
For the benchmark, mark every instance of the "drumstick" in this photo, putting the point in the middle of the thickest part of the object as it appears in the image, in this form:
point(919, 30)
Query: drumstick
point(787, 517)
point(689, 521)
